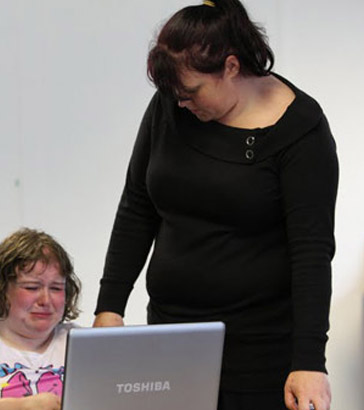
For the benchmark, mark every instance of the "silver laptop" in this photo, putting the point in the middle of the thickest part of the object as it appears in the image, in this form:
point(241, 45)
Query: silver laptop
point(147, 367)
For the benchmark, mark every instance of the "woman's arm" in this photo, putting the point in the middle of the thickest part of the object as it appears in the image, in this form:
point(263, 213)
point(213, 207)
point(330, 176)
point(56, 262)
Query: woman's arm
point(309, 178)
point(135, 226)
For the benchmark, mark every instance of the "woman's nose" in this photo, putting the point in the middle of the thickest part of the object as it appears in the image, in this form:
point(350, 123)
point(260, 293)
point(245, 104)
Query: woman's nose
point(182, 103)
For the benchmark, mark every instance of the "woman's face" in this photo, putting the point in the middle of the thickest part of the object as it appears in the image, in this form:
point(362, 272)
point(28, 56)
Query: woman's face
point(37, 301)
point(208, 96)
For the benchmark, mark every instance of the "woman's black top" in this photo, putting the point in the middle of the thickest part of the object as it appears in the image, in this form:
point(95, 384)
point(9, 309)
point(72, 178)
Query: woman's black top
point(242, 223)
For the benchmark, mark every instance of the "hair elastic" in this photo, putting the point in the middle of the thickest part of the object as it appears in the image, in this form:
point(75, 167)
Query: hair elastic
point(209, 3)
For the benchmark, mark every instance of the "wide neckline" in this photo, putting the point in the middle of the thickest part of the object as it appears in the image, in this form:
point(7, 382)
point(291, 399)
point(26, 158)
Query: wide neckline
point(268, 127)
point(230, 144)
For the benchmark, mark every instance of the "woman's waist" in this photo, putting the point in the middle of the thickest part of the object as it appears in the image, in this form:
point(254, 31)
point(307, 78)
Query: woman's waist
point(229, 285)
point(264, 321)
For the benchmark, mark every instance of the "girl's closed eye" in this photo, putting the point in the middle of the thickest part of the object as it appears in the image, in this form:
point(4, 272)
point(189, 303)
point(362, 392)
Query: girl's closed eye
point(57, 288)
point(32, 288)
point(28, 286)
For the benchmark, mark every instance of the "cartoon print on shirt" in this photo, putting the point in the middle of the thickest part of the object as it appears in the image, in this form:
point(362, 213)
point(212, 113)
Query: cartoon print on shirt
point(5, 369)
point(50, 382)
point(20, 384)
point(17, 386)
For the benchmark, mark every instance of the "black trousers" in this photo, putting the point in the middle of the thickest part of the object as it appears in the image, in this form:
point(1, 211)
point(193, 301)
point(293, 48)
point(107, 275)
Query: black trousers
point(251, 401)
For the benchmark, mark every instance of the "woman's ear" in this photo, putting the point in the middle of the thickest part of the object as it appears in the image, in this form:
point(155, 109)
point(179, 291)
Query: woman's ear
point(232, 66)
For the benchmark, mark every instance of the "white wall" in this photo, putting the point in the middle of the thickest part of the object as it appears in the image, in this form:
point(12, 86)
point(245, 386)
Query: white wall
point(73, 89)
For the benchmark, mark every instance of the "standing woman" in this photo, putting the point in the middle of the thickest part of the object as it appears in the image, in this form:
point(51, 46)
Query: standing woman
point(233, 177)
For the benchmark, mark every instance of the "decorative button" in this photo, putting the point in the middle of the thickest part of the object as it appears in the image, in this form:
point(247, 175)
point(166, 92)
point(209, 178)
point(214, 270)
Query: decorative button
point(250, 140)
point(249, 154)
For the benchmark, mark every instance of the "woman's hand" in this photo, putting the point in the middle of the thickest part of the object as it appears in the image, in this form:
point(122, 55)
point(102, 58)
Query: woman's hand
point(107, 319)
point(305, 387)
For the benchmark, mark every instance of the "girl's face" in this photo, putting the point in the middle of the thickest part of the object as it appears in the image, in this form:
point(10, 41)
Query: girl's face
point(37, 302)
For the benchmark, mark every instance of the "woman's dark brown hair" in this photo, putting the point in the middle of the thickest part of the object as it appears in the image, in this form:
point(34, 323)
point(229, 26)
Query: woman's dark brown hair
point(201, 37)
point(20, 252)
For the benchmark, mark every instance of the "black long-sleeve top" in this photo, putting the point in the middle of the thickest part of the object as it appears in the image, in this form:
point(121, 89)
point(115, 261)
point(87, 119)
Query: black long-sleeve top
point(242, 223)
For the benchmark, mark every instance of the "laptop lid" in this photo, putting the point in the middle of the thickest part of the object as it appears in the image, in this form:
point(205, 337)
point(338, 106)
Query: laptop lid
point(152, 367)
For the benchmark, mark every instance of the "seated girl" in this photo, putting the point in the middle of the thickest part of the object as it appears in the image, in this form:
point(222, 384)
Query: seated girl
point(38, 292)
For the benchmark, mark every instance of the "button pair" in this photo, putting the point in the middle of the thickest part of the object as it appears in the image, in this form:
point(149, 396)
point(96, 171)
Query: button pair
point(249, 153)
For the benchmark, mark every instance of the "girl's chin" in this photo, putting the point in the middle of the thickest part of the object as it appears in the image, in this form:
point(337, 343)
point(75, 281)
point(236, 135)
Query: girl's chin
point(44, 325)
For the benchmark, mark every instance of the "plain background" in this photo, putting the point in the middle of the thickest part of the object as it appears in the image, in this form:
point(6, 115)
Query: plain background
point(73, 88)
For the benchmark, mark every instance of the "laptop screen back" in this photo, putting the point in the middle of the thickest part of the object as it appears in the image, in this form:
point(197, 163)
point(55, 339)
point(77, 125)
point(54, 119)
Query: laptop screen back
point(153, 367)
